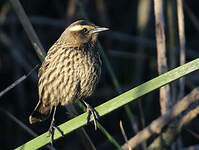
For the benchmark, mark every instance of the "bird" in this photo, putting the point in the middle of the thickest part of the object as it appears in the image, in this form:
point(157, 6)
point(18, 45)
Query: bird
point(70, 71)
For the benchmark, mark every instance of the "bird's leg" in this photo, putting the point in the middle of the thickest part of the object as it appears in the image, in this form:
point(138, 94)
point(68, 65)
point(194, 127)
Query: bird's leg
point(92, 111)
point(53, 127)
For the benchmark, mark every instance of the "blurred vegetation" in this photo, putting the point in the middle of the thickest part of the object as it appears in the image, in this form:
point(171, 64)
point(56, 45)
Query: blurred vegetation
point(130, 47)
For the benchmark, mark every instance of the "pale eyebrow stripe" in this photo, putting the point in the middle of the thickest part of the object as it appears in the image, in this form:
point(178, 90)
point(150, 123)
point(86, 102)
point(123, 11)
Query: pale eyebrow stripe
point(80, 27)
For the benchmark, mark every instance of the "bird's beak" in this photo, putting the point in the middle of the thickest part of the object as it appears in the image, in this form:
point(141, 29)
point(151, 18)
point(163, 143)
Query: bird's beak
point(99, 29)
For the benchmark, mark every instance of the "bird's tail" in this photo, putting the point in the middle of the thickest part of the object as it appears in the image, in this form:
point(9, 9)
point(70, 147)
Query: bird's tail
point(40, 113)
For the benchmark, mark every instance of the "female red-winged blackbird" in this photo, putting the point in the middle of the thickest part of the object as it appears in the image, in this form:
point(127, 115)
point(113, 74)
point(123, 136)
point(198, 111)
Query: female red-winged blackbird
point(70, 70)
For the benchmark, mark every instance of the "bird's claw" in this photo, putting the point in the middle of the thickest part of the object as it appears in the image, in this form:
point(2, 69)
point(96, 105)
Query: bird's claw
point(95, 114)
point(51, 131)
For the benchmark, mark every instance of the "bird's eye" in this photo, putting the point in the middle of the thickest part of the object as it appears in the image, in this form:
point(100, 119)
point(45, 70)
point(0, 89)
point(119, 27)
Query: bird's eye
point(84, 30)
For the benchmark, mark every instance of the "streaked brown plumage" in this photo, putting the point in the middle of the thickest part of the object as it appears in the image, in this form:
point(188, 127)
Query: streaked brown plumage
point(70, 70)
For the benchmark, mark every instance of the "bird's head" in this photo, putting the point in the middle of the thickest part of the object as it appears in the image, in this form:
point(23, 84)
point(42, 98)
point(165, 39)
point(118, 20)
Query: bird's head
point(81, 32)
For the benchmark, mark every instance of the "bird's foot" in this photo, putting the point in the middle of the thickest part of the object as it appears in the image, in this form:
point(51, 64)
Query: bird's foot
point(51, 131)
point(95, 114)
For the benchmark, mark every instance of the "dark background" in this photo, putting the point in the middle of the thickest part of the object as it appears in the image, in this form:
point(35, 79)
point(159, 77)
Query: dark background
point(131, 51)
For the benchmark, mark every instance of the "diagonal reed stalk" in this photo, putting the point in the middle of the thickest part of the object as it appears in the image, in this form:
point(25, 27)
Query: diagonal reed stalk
point(115, 103)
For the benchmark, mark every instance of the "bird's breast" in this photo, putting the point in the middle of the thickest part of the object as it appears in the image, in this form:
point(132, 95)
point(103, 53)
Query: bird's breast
point(88, 69)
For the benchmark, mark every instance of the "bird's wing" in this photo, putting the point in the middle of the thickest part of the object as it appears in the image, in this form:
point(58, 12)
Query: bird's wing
point(42, 69)
point(48, 62)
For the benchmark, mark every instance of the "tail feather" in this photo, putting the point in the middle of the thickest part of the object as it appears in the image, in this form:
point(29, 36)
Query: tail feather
point(40, 113)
